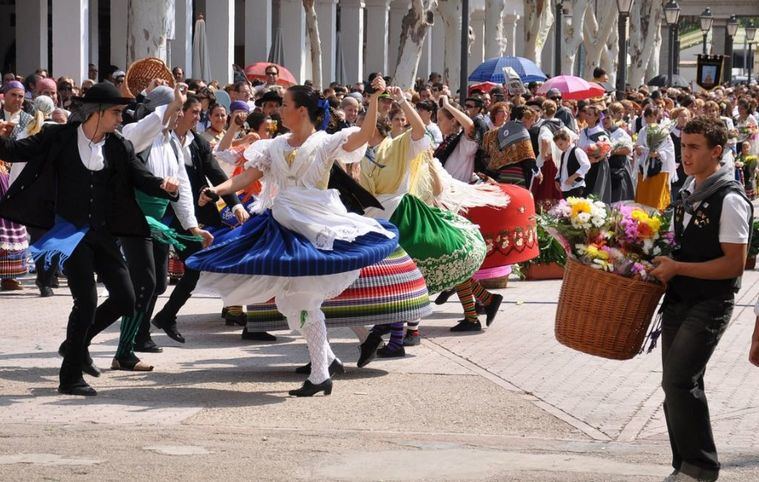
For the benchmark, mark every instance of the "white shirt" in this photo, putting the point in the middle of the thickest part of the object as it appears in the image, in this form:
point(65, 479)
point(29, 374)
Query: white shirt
point(563, 175)
point(163, 162)
point(460, 164)
point(733, 221)
point(435, 134)
point(90, 152)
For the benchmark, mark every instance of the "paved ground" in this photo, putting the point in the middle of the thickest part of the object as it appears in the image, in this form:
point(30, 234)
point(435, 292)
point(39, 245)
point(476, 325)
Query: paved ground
point(507, 404)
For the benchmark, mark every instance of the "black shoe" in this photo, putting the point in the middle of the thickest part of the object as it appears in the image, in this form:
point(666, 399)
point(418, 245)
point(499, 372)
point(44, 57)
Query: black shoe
point(368, 349)
point(54, 283)
point(492, 309)
point(336, 367)
point(45, 291)
point(386, 352)
point(80, 388)
point(479, 308)
point(240, 319)
point(169, 327)
point(88, 366)
point(147, 346)
point(466, 325)
point(257, 335)
point(442, 298)
point(309, 389)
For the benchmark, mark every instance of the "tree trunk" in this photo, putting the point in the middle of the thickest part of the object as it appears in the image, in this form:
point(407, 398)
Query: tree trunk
point(538, 21)
point(450, 15)
point(414, 27)
point(610, 57)
point(312, 26)
point(643, 35)
point(596, 37)
point(148, 26)
point(653, 63)
point(572, 35)
point(495, 42)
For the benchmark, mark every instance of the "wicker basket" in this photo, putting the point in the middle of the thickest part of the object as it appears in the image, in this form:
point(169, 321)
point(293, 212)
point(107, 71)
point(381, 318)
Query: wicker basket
point(141, 72)
point(604, 314)
point(543, 271)
point(495, 283)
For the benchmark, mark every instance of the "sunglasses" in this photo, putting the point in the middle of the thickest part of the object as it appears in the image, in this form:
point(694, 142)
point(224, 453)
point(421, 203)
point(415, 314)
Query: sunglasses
point(271, 73)
point(470, 106)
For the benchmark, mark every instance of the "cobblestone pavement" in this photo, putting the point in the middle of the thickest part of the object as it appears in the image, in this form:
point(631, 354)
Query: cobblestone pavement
point(506, 404)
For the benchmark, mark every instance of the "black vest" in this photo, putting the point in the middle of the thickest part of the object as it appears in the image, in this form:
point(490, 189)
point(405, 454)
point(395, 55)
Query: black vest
point(572, 163)
point(698, 243)
point(681, 176)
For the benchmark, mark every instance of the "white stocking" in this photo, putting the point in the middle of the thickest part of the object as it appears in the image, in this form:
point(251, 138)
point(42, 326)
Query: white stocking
point(318, 347)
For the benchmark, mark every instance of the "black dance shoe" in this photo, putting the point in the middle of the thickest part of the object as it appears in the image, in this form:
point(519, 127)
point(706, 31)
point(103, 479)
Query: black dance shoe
point(169, 327)
point(334, 368)
point(88, 366)
point(368, 349)
point(240, 319)
point(257, 335)
point(466, 325)
point(80, 388)
point(147, 346)
point(309, 389)
point(492, 309)
point(442, 298)
point(45, 291)
point(386, 352)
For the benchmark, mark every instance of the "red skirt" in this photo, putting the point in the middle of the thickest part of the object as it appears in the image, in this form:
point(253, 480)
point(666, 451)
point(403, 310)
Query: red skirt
point(545, 193)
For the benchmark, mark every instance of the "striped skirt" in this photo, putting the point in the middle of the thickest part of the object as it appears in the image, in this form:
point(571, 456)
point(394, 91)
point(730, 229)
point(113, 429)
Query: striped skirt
point(390, 291)
point(13, 241)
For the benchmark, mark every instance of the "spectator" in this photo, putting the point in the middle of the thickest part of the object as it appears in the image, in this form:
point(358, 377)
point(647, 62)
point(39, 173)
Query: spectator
point(427, 110)
point(178, 74)
point(218, 124)
point(574, 166)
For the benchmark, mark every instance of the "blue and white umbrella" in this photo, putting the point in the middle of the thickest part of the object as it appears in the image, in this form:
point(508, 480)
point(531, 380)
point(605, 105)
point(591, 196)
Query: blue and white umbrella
point(491, 70)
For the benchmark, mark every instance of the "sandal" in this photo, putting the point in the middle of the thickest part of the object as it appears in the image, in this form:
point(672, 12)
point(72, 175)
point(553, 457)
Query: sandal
point(135, 365)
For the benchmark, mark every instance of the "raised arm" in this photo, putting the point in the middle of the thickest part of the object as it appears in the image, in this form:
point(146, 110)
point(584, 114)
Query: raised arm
point(231, 185)
point(461, 117)
point(417, 125)
point(364, 135)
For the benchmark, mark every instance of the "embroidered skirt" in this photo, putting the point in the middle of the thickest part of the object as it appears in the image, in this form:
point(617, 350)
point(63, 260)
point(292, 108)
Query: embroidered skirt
point(390, 291)
point(446, 248)
point(13, 241)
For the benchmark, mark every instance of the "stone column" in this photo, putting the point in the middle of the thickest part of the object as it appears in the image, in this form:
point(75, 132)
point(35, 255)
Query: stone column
point(220, 32)
point(398, 9)
point(258, 30)
point(477, 51)
point(294, 37)
point(326, 12)
point(31, 34)
point(514, 36)
point(94, 47)
point(437, 40)
point(352, 38)
point(377, 35)
point(71, 39)
point(181, 46)
point(118, 34)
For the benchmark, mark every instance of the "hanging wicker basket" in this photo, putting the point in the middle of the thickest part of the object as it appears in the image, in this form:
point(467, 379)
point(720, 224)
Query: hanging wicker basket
point(604, 314)
point(142, 71)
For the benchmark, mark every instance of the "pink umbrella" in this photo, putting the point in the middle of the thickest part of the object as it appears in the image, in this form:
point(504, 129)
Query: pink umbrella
point(258, 71)
point(572, 88)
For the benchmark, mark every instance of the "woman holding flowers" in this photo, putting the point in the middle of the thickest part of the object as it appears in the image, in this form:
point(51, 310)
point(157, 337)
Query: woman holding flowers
point(656, 165)
point(594, 140)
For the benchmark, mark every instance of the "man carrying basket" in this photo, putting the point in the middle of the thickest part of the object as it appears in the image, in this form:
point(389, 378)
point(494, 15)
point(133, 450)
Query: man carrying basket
point(712, 229)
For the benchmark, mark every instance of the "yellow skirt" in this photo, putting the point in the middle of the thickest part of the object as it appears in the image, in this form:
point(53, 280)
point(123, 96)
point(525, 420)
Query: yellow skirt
point(654, 191)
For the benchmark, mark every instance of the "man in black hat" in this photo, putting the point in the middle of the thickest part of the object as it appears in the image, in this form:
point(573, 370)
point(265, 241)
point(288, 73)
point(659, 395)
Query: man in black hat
point(79, 184)
point(270, 102)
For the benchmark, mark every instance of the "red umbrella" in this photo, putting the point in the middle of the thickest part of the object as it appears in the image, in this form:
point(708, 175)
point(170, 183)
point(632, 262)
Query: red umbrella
point(572, 88)
point(483, 86)
point(258, 71)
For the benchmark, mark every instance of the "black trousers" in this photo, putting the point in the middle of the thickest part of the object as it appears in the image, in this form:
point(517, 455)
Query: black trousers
point(690, 333)
point(576, 192)
point(45, 276)
point(96, 253)
point(147, 262)
point(184, 288)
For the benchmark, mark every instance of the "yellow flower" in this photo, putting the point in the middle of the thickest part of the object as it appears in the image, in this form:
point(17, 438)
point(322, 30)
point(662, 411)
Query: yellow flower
point(580, 206)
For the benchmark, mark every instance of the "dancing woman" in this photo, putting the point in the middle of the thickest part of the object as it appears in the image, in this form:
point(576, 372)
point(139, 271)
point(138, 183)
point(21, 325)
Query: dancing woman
point(303, 246)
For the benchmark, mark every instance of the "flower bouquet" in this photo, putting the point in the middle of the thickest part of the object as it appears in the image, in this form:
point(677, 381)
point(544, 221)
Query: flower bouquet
point(608, 296)
point(656, 135)
point(598, 150)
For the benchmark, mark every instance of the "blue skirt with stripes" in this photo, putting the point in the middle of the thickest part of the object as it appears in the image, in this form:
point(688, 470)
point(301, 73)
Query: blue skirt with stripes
point(262, 246)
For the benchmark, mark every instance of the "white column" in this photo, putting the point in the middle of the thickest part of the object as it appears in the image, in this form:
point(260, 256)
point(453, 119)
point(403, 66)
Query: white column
point(119, 33)
point(377, 30)
point(94, 48)
point(220, 32)
point(437, 39)
point(477, 52)
point(511, 35)
point(71, 40)
point(425, 61)
point(398, 9)
point(181, 46)
point(294, 37)
point(352, 38)
point(326, 13)
point(258, 32)
point(31, 35)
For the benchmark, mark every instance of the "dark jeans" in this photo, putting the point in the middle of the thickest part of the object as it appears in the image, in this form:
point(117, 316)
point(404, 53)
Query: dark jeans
point(690, 333)
point(185, 286)
point(96, 253)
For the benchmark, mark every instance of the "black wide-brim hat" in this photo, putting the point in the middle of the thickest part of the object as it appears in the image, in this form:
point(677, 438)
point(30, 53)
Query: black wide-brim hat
point(269, 96)
point(104, 93)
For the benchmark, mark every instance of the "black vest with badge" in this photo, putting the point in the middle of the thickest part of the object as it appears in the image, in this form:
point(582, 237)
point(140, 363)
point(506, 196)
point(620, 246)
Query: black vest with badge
point(698, 243)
